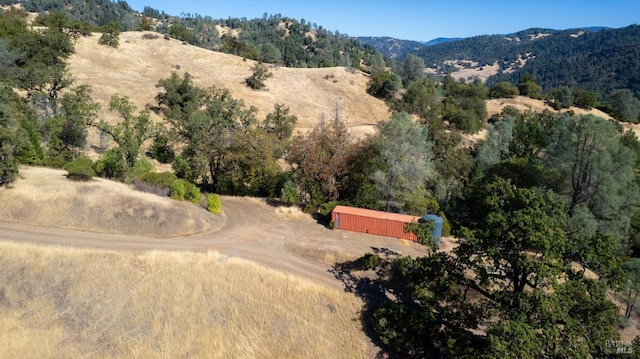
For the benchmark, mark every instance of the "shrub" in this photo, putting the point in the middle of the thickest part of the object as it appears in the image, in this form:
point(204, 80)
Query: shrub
point(182, 190)
point(112, 164)
point(325, 211)
point(177, 189)
point(161, 149)
point(369, 261)
point(259, 75)
point(111, 34)
point(213, 203)
point(182, 168)
point(503, 90)
point(157, 183)
point(163, 179)
point(446, 225)
point(191, 192)
point(289, 194)
point(80, 169)
point(141, 168)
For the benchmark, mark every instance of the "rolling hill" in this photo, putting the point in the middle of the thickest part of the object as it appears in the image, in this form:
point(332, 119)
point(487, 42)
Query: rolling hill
point(134, 68)
point(595, 58)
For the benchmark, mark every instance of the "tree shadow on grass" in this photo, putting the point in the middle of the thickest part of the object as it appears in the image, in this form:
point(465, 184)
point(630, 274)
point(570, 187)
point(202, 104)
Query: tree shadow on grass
point(367, 282)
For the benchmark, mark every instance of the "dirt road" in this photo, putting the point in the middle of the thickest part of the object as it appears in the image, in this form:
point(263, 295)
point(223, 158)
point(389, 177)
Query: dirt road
point(249, 229)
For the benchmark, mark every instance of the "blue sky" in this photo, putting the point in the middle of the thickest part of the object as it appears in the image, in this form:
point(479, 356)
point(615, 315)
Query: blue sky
point(420, 20)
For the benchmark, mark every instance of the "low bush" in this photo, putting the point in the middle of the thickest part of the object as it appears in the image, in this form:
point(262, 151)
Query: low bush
point(191, 192)
point(369, 261)
point(446, 225)
point(289, 194)
point(112, 164)
point(182, 190)
point(154, 182)
point(161, 149)
point(182, 168)
point(177, 189)
point(213, 203)
point(80, 169)
point(163, 179)
point(324, 212)
point(141, 168)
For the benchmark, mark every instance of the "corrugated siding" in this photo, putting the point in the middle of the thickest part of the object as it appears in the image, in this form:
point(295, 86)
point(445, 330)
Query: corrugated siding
point(372, 222)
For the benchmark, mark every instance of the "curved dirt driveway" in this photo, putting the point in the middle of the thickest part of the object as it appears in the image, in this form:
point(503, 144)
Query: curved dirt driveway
point(250, 229)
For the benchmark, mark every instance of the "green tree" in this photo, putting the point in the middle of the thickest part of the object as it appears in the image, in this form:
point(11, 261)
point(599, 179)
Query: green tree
point(80, 169)
point(41, 70)
point(632, 288)
point(406, 153)
point(180, 32)
point(503, 89)
point(496, 147)
point(413, 69)
point(504, 277)
point(384, 84)
point(598, 170)
point(280, 122)
point(209, 122)
point(289, 194)
point(465, 105)
point(180, 98)
point(529, 87)
point(420, 98)
point(584, 98)
point(110, 34)
point(270, 54)
point(562, 97)
point(626, 107)
point(78, 110)
point(259, 75)
point(10, 134)
point(250, 166)
point(130, 133)
point(531, 133)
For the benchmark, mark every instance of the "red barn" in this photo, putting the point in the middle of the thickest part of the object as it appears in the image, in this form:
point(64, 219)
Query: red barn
point(373, 222)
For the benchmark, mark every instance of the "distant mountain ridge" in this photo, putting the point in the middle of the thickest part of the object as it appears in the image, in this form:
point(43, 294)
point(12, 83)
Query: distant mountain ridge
point(398, 48)
point(596, 58)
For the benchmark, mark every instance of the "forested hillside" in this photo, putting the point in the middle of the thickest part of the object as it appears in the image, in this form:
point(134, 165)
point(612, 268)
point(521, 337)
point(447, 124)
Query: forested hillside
point(274, 39)
point(596, 59)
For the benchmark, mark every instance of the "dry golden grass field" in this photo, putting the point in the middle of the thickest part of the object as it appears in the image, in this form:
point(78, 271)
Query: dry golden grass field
point(59, 302)
point(98, 270)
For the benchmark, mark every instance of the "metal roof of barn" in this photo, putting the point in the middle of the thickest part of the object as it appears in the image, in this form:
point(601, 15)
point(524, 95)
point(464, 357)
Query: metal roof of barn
point(376, 214)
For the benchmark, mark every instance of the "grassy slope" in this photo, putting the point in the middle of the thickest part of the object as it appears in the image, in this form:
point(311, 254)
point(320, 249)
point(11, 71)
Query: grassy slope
point(62, 303)
point(134, 68)
point(45, 197)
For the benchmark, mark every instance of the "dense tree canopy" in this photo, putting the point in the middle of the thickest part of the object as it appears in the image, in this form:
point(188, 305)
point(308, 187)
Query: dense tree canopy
point(502, 285)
